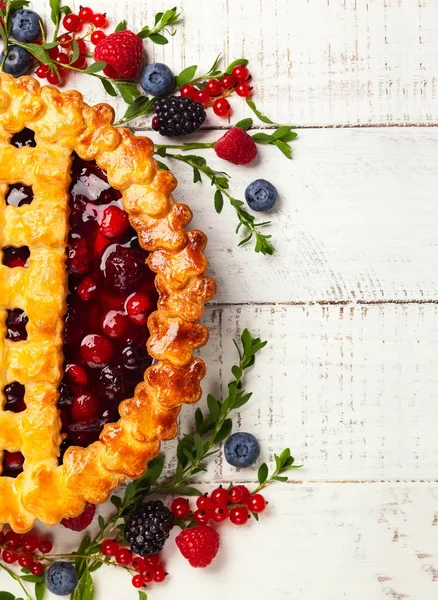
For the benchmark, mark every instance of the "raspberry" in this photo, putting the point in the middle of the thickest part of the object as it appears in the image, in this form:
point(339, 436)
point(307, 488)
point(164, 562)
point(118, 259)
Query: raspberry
point(123, 53)
point(178, 115)
point(199, 545)
point(236, 146)
point(148, 527)
point(82, 521)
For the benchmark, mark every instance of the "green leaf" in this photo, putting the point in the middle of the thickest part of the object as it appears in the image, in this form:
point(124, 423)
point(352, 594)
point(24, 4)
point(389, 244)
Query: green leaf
point(17, 5)
point(130, 490)
point(101, 522)
point(199, 417)
point(39, 53)
point(278, 478)
point(155, 468)
point(289, 137)
point(6, 596)
point(236, 371)
point(142, 596)
point(81, 550)
point(55, 5)
point(158, 17)
point(40, 590)
point(186, 491)
point(95, 67)
point(263, 473)
point(213, 407)
point(85, 588)
point(116, 501)
point(128, 92)
point(218, 201)
point(287, 151)
point(198, 446)
point(262, 138)
point(245, 124)
point(121, 26)
point(196, 175)
point(109, 88)
point(224, 431)
point(32, 578)
point(285, 455)
point(239, 61)
point(280, 132)
point(157, 38)
point(242, 400)
point(76, 51)
point(260, 115)
point(186, 76)
point(141, 106)
point(162, 165)
point(213, 70)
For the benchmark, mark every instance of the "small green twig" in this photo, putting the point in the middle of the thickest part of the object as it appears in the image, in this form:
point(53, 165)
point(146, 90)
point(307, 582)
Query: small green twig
point(17, 579)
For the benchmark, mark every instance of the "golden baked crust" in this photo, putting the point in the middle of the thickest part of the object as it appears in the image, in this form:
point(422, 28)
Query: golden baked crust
point(63, 123)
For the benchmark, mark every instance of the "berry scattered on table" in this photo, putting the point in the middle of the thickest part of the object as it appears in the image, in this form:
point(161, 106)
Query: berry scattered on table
point(123, 53)
point(148, 527)
point(178, 116)
point(18, 60)
point(239, 515)
point(61, 578)
point(100, 20)
point(241, 449)
point(243, 89)
point(213, 87)
point(97, 36)
point(256, 503)
point(199, 545)
point(239, 494)
point(71, 22)
point(240, 73)
point(26, 26)
point(222, 107)
point(261, 195)
point(180, 508)
point(157, 79)
point(86, 14)
point(109, 548)
point(236, 146)
point(82, 521)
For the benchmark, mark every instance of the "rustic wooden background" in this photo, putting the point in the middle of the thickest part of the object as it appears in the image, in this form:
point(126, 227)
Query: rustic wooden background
point(349, 303)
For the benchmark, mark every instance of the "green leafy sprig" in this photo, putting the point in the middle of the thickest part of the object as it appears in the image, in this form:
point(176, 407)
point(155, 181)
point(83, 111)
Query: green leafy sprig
point(162, 22)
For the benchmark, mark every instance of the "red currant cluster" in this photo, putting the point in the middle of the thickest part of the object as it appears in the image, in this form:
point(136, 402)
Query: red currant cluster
point(234, 504)
point(23, 549)
point(63, 53)
point(149, 568)
point(236, 82)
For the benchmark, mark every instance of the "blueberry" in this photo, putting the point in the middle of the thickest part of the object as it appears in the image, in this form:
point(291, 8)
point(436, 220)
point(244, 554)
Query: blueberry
point(157, 79)
point(26, 26)
point(17, 61)
point(261, 195)
point(61, 578)
point(241, 449)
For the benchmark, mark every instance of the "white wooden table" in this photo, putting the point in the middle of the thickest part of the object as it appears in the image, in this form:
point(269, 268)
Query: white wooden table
point(349, 303)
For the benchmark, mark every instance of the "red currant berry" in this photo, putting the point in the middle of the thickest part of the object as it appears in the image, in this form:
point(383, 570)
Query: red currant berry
point(228, 82)
point(220, 497)
point(86, 289)
point(65, 40)
point(147, 576)
point(124, 556)
point(96, 350)
point(203, 517)
point(42, 72)
point(239, 516)
point(188, 91)
point(82, 45)
point(214, 87)
point(97, 36)
point(220, 513)
point(243, 89)
point(256, 503)
point(30, 542)
point(45, 546)
point(13, 539)
point(238, 494)
point(63, 58)
point(152, 561)
point(115, 324)
point(85, 408)
point(138, 563)
point(76, 374)
point(159, 574)
point(203, 97)
point(137, 581)
point(53, 53)
point(109, 548)
point(52, 78)
point(114, 222)
point(71, 22)
point(155, 123)
point(221, 107)
point(9, 557)
point(26, 560)
point(204, 503)
point(86, 14)
point(80, 63)
point(180, 508)
point(37, 569)
point(100, 20)
point(138, 307)
point(240, 73)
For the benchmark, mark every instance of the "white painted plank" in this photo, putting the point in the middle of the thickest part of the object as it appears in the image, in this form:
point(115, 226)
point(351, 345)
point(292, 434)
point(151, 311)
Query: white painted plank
point(356, 220)
point(315, 62)
point(321, 541)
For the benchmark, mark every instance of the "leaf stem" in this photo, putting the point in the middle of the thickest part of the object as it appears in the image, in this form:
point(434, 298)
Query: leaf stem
point(17, 579)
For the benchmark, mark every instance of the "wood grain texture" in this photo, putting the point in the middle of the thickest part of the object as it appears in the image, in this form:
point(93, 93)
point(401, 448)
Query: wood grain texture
point(315, 62)
point(356, 220)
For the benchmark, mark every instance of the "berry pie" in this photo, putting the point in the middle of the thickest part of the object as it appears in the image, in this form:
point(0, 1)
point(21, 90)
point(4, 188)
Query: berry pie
point(101, 288)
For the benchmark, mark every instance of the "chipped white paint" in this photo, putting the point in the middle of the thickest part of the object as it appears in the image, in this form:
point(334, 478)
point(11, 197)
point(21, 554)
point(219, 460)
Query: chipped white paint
point(349, 382)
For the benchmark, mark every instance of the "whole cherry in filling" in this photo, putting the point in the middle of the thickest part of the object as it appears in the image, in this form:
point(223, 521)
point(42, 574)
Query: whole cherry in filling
point(111, 295)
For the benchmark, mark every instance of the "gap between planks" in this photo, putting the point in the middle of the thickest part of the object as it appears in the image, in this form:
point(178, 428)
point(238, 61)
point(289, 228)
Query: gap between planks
point(325, 303)
point(263, 126)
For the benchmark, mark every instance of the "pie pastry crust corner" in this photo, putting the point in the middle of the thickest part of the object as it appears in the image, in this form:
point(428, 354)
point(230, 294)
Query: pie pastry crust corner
point(64, 124)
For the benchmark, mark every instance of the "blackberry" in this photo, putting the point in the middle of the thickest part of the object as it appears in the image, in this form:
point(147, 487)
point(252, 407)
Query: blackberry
point(177, 116)
point(148, 527)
